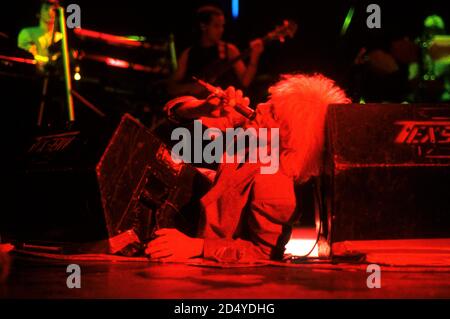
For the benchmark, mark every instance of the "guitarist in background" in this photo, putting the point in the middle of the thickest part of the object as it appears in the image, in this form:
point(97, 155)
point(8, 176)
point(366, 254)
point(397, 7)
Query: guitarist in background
point(209, 52)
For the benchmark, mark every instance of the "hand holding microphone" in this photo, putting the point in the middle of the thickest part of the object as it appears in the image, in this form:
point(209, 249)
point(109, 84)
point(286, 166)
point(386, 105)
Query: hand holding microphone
point(232, 97)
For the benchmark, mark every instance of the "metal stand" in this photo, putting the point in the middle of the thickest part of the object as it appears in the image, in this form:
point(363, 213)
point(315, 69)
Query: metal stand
point(70, 93)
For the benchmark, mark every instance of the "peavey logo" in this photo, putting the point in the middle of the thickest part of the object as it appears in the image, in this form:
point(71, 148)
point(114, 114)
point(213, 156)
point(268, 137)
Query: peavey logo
point(431, 137)
point(53, 143)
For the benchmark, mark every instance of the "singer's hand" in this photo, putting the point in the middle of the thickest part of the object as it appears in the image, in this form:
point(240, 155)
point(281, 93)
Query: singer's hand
point(173, 245)
point(223, 106)
point(214, 105)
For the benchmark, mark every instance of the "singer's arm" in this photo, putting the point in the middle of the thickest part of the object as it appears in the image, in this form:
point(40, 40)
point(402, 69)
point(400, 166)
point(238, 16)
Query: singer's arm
point(213, 111)
point(188, 108)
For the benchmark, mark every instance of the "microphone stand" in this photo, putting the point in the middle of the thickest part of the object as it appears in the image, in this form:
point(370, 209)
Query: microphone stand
point(66, 65)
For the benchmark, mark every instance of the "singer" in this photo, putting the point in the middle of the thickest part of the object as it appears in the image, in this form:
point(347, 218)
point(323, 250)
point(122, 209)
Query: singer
point(247, 216)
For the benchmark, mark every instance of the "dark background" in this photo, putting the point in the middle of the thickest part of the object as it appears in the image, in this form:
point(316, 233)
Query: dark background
point(317, 47)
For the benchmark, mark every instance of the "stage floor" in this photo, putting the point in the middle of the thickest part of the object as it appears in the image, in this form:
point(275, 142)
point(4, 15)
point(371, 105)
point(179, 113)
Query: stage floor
point(33, 277)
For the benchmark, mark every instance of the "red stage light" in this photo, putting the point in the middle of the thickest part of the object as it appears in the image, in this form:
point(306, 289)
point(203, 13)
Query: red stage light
point(117, 63)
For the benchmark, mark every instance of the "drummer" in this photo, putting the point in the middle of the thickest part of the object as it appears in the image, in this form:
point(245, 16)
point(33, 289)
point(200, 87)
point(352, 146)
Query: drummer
point(434, 66)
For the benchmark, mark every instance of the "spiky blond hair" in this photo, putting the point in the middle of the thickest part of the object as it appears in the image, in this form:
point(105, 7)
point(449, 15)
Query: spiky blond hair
point(299, 105)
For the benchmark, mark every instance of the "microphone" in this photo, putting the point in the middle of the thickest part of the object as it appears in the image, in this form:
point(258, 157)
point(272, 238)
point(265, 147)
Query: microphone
point(244, 110)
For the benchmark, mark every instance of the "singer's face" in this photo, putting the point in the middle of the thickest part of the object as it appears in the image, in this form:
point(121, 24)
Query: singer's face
point(264, 117)
point(214, 29)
